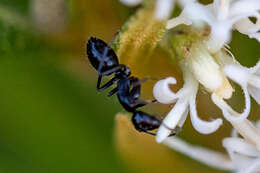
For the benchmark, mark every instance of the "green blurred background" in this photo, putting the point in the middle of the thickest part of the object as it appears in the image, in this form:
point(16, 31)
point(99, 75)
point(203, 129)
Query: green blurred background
point(51, 117)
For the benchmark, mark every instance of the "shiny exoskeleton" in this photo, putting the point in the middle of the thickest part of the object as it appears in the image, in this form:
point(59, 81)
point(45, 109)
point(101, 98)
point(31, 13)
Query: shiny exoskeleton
point(103, 58)
point(144, 122)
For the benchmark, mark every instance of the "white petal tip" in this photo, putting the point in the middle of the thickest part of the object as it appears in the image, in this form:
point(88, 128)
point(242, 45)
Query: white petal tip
point(163, 9)
point(162, 134)
point(215, 125)
point(203, 127)
point(210, 127)
point(131, 2)
point(162, 91)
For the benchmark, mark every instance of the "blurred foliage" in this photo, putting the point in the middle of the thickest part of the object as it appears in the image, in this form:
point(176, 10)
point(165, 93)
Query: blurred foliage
point(143, 153)
point(53, 120)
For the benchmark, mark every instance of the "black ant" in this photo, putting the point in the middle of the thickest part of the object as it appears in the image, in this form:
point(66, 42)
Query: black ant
point(103, 58)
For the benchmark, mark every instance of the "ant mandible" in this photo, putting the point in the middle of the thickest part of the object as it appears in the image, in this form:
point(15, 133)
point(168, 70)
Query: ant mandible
point(103, 58)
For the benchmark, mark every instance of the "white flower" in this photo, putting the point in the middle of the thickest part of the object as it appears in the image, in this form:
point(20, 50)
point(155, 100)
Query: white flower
point(246, 77)
point(211, 71)
point(249, 80)
point(242, 156)
point(185, 100)
point(205, 156)
point(131, 2)
point(163, 8)
point(249, 28)
point(222, 16)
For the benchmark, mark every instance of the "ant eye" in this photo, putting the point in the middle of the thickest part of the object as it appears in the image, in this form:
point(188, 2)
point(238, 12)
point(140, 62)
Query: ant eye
point(109, 63)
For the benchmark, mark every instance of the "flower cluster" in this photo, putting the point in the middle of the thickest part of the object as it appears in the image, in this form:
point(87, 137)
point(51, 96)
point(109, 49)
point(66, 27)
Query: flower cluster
point(222, 16)
point(185, 100)
point(212, 72)
point(205, 60)
point(163, 7)
point(208, 64)
point(242, 156)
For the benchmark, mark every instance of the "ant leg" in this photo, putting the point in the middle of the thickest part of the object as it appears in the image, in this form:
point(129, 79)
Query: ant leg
point(135, 92)
point(139, 82)
point(141, 103)
point(99, 81)
point(114, 69)
point(112, 92)
point(174, 131)
point(136, 86)
point(150, 133)
point(173, 134)
point(108, 84)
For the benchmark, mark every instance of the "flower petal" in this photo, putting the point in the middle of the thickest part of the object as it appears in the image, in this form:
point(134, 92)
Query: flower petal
point(240, 146)
point(196, 11)
point(131, 2)
point(209, 157)
point(253, 167)
point(181, 19)
point(183, 118)
point(244, 7)
point(172, 119)
point(162, 91)
point(163, 9)
point(219, 36)
point(246, 26)
point(255, 93)
point(240, 152)
point(257, 124)
point(221, 8)
point(255, 36)
point(193, 12)
point(237, 73)
point(228, 112)
point(256, 69)
point(201, 126)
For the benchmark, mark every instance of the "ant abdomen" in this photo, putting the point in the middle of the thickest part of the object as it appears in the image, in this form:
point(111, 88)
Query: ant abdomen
point(101, 56)
point(144, 122)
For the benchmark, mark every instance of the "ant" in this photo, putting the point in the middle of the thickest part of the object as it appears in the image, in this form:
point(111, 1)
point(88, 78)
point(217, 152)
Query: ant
point(103, 58)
